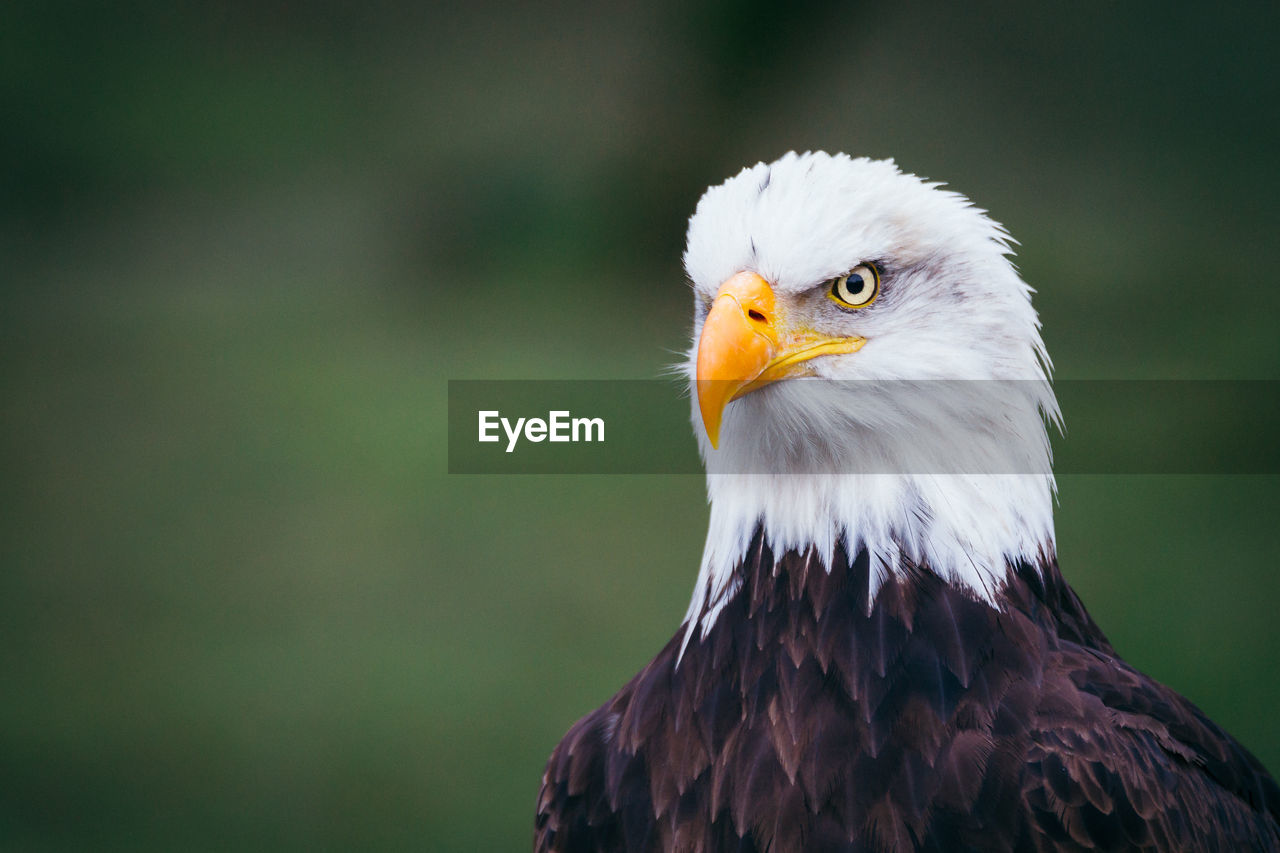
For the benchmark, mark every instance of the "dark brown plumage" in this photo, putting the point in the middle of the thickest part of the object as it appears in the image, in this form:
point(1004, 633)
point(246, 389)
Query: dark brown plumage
point(805, 720)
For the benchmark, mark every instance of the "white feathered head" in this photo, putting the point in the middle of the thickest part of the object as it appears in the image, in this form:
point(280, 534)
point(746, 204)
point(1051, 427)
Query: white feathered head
point(902, 296)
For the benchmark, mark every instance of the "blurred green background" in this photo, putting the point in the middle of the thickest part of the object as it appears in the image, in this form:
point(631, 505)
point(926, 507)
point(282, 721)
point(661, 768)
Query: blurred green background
point(244, 245)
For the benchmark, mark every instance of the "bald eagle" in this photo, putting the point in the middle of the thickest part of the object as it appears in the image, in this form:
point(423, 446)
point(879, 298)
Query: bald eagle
point(882, 661)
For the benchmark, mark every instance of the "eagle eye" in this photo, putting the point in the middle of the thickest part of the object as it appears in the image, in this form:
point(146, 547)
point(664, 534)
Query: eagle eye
point(856, 289)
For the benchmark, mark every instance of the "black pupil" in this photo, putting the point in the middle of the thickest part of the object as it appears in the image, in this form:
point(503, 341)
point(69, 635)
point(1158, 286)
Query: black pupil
point(853, 285)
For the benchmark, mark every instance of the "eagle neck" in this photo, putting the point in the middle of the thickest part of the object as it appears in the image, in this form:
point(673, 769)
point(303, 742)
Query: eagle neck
point(794, 597)
point(968, 530)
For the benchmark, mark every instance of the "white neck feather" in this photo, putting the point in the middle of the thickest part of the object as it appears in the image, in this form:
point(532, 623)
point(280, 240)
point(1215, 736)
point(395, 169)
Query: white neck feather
point(968, 488)
point(967, 528)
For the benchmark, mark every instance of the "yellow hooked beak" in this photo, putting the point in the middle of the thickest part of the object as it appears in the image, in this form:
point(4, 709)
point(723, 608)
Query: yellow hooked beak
point(746, 345)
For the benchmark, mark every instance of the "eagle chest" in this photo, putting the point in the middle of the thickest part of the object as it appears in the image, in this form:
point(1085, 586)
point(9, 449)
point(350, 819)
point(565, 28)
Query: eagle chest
point(803, 719)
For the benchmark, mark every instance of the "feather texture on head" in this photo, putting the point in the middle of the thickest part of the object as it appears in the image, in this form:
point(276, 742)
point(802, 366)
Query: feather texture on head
point(952, 314)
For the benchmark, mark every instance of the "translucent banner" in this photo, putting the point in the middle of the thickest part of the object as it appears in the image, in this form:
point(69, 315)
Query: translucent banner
point(933, 427)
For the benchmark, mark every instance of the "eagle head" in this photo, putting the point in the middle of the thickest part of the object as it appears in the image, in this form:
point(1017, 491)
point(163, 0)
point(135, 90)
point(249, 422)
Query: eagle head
point(867, 370)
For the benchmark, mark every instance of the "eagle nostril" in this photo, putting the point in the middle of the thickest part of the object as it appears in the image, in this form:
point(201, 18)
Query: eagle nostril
point(756, 316)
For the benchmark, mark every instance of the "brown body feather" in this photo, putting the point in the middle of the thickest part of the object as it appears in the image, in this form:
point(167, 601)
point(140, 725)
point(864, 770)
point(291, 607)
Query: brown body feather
point(806, 720)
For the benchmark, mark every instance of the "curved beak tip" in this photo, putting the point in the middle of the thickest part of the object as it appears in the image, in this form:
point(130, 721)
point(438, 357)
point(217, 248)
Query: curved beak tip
point(711, 405)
